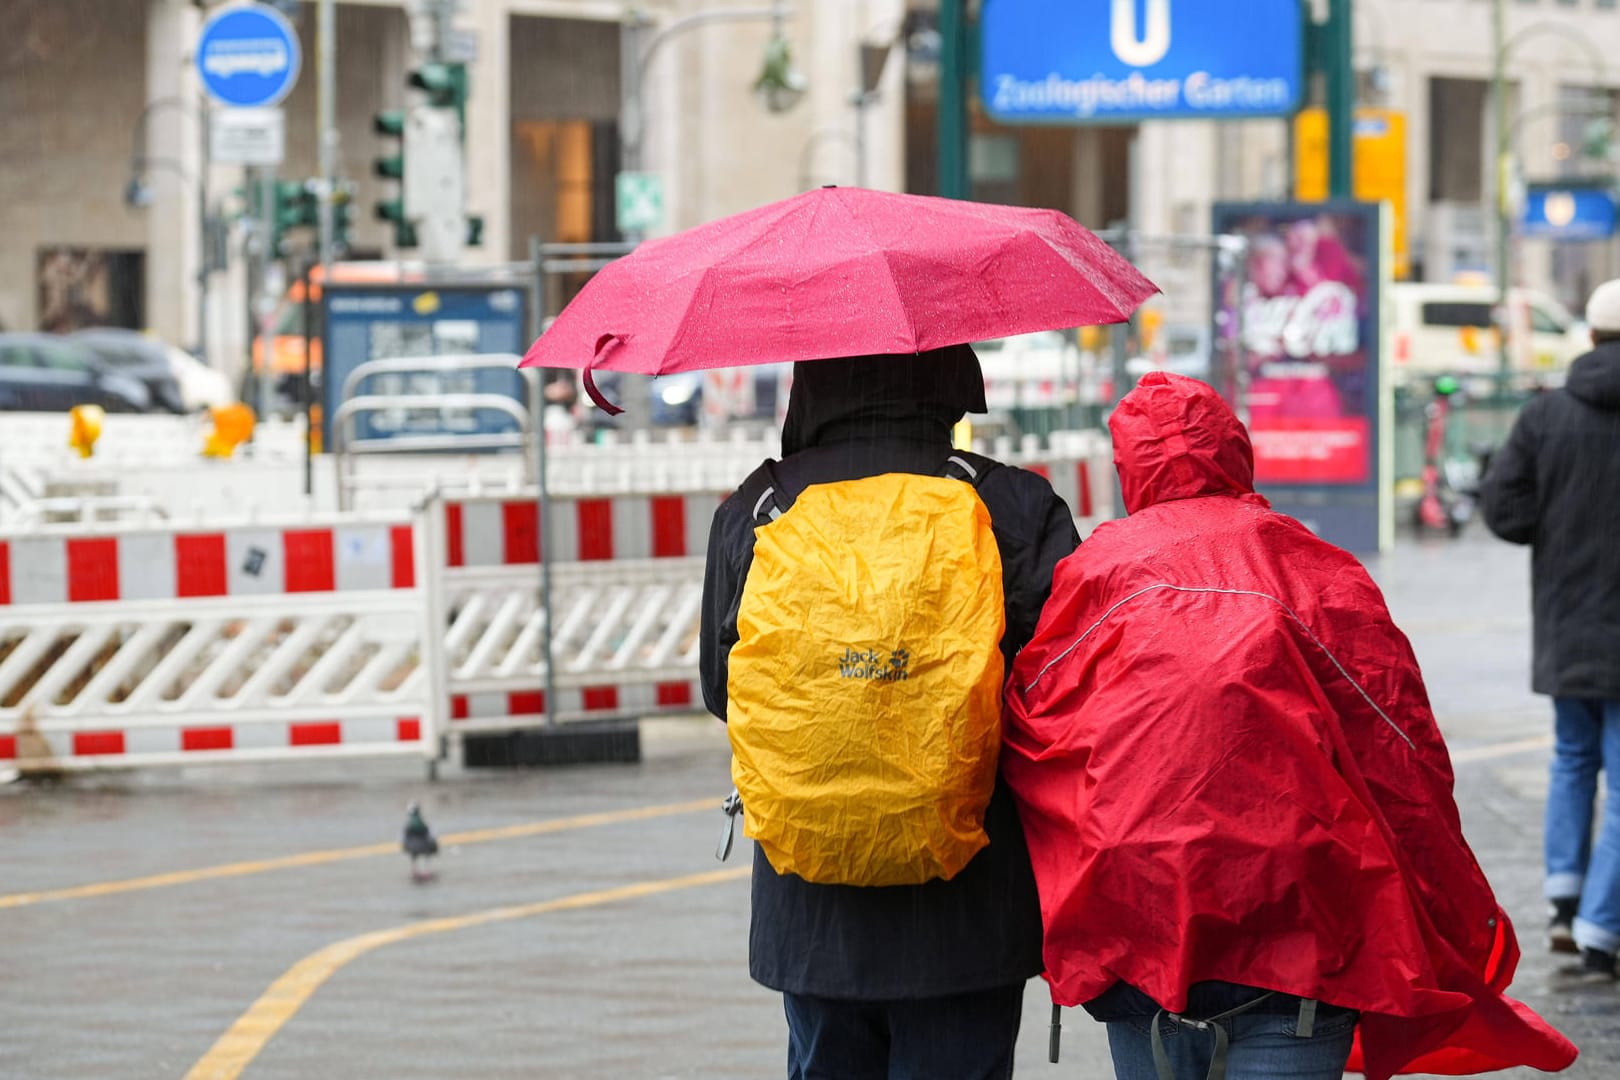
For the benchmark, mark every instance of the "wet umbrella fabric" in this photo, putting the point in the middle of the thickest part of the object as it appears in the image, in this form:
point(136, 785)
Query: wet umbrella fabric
point(840, 272)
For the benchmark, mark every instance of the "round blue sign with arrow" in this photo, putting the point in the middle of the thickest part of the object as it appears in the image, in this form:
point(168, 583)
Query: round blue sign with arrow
point(248, 56)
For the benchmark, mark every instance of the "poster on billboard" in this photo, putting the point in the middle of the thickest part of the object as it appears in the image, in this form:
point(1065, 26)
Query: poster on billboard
point(1298, 350)
point(365, 321)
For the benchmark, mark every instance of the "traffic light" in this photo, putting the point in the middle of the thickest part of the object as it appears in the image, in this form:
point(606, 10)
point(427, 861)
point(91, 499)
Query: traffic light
point(342, 216)
point(296, 205)
point(475, 230)
point(445, 86)
point(428, 210)
point(393, 211)
point(391, 123)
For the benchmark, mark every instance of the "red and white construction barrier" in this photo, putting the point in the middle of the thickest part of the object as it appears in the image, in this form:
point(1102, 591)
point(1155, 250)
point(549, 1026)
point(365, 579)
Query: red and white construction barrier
point(128, 646)
point(162, 564)
point(156, 646)
point(505, 530)
point(627, 576)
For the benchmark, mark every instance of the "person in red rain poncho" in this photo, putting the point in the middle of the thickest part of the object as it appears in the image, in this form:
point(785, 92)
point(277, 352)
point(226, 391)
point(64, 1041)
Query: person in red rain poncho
point(1235, 794)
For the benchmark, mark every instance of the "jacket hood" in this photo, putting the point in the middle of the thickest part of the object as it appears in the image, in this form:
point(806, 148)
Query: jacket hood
point(1595, 377)
point(1175, 438)
point(911, 395)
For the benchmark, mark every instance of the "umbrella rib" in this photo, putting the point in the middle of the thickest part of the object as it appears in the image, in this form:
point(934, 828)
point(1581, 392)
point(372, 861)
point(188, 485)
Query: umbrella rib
point(894, 283)
point(685, 320)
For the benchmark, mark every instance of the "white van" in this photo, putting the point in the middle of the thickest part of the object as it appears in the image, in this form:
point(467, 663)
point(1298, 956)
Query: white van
point(1450, 330)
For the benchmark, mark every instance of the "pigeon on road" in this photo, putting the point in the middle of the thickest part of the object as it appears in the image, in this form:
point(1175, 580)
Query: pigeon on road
point(418, 843)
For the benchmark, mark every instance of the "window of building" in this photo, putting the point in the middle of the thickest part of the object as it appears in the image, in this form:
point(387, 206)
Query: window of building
point(1457, 163)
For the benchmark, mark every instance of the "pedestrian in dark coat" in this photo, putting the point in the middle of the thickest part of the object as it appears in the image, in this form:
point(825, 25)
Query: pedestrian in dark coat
point(1555, 486)
point(911, 980)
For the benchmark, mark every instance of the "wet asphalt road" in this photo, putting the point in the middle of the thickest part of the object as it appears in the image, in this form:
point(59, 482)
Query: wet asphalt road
point(144, 982)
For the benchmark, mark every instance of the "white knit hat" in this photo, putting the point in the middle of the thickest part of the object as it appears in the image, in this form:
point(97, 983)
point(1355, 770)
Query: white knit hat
point(1603, 310)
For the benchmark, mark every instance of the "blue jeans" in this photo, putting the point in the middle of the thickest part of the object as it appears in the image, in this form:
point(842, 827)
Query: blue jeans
point(964, 1037)
point(1586, 742)
point(1261, 1045)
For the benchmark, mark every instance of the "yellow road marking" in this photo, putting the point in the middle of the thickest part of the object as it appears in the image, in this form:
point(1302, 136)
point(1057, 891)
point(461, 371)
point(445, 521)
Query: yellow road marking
point(1503, 749)
point(321, 858)
point(244, 1039)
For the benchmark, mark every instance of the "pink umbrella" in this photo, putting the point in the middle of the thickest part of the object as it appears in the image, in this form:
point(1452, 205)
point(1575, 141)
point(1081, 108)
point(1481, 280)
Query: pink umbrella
point(839, 272)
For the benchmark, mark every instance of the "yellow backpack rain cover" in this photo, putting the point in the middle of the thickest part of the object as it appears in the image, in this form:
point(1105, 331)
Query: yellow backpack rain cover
point(865, 687)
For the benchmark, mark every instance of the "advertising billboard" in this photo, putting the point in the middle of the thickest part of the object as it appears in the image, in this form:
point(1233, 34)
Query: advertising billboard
point(1298, 349)
point(374, 322)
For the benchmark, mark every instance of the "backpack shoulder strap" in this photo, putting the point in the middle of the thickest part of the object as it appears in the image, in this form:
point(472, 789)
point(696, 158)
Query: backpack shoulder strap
point(774, 501)
point(973, 468)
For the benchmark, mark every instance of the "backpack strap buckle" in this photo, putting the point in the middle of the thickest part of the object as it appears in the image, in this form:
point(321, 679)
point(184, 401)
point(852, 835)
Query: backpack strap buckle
point(728, 833)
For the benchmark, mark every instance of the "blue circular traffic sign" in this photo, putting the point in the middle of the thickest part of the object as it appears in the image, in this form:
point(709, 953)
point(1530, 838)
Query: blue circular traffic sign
point(248, 56)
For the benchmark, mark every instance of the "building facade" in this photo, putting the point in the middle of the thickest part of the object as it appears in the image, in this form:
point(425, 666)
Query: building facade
point(103, 93)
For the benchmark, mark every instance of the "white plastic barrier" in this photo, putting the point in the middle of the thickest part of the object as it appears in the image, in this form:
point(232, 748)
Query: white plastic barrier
point(123, 647)
point(137, 439)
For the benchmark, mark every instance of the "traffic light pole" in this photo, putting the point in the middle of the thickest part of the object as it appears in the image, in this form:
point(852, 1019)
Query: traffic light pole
point(266, 180)
point(953, 181)
point(326, 120)
point(1504, 195)
point(1339, 62)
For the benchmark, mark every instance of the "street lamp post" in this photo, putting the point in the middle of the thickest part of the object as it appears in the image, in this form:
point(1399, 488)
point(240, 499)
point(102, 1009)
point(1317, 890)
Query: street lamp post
point(136, 194)
point(1506, 135)
point(780, 85)
point(636, 59)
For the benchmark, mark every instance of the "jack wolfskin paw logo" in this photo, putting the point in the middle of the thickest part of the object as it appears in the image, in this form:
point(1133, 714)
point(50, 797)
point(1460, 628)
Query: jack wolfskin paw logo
point(900, 659)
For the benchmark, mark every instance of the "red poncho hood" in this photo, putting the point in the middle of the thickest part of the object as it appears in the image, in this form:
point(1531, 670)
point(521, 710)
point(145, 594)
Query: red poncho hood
point(1228, 769)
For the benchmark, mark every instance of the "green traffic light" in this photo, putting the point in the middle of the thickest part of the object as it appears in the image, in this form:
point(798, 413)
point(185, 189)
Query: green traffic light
point(390, 122)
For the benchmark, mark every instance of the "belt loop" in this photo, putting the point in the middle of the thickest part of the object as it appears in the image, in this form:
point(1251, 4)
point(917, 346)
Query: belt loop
point(1306, 1026)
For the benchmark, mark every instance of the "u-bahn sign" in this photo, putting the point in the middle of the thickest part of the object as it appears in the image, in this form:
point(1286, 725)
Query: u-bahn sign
point(248, 56)
point(1123, 61)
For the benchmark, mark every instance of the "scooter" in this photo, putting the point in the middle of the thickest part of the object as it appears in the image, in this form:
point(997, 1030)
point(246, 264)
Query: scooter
point(1450, 484)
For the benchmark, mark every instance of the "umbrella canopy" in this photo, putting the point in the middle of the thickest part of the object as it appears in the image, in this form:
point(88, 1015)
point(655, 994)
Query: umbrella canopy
point(839, 272)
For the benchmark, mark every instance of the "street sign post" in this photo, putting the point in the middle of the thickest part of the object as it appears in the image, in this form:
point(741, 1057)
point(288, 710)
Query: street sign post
point(1125, 61)
point(247, 136)
point(248, 56)
point(640, 201)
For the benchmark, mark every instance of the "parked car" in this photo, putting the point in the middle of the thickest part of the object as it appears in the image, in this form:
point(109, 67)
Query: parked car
point(42, 373)
point(178, 381)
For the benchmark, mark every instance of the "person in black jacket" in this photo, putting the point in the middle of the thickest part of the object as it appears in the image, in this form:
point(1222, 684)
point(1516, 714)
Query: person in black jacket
point(913, 980)
point(1555, 485)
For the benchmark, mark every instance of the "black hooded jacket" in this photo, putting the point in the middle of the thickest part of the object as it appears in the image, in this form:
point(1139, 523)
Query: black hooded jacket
point(1555, 485)
point(848, 419)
